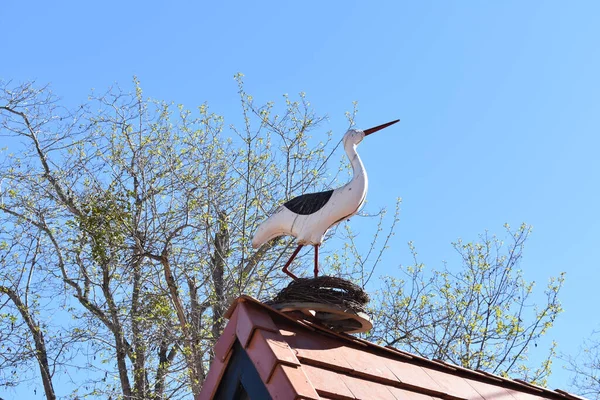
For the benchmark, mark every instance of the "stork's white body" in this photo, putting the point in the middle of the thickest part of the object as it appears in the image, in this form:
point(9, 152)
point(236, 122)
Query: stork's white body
point(344, 202)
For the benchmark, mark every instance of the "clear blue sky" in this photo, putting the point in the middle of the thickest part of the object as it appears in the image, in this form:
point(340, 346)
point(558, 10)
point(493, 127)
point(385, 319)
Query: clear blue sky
point(499, 104)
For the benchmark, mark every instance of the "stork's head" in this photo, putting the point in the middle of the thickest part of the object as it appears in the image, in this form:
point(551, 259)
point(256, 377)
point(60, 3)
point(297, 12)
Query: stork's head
point(355, 136)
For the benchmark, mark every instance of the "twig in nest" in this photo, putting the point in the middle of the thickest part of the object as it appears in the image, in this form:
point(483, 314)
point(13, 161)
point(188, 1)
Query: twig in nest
point(324, 290)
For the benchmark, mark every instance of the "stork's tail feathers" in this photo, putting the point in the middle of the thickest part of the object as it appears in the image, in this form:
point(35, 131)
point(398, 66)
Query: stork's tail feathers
point(272, 227)
point(256, 243)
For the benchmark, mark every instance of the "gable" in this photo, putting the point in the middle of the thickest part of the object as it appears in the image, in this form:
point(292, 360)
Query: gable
point(240, 379)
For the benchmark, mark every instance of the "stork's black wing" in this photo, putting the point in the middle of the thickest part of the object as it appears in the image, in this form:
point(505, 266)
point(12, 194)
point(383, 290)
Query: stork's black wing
point(308, 203)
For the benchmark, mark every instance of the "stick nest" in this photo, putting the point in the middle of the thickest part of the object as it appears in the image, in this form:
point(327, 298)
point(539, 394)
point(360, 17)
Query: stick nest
point(324, 290)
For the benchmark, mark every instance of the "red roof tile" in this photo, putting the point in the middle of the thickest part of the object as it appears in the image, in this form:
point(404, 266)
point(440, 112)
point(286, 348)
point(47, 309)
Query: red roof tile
point(302, 360)
point(251, 318)
point(291, 383)
point(489, 392)
point(402, 394)
point(267, 350)
point(413, 376)
point(327, 383)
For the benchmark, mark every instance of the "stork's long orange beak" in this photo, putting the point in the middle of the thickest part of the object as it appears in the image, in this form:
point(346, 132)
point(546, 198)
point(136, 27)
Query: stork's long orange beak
point(378, 128)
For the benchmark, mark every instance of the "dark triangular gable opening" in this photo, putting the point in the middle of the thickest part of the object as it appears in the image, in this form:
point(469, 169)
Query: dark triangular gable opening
point(241, 380)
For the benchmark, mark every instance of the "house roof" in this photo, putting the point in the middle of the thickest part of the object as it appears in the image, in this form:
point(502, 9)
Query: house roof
point(297, 359)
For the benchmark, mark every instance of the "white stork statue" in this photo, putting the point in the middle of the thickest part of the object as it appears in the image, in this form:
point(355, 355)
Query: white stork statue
point(308, 217)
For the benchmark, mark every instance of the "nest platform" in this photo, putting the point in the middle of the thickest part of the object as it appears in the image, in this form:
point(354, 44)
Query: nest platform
point(335, 303)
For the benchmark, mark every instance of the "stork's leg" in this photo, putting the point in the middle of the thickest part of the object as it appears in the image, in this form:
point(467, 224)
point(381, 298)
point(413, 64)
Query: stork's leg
point(287, 264)
point(316, 260)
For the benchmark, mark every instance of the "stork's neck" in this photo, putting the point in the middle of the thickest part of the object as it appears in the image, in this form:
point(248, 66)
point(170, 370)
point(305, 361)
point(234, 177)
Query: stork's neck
point(358, 168)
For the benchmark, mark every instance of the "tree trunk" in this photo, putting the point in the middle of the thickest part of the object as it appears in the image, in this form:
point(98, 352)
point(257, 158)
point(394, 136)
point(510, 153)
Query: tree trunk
point(219, 257)
point(37, 335)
